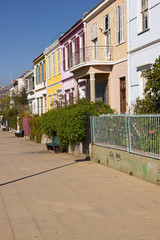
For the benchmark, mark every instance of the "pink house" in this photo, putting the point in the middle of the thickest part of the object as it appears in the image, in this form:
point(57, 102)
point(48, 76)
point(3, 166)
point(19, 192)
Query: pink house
point(72, 41)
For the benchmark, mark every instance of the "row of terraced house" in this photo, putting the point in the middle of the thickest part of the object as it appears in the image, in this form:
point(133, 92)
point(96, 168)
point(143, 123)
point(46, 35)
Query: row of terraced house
point(102, 56)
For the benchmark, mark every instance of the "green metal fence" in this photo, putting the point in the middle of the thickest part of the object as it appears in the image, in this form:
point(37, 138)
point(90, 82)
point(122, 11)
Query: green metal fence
point(139, 134)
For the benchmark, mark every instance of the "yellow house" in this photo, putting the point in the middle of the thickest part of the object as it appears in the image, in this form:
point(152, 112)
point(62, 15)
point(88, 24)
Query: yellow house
point(53, 75)
point(103, 60)
point(40, 84)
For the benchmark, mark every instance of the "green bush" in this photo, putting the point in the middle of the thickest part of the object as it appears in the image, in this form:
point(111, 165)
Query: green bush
point(13, 122)
point(71, 123)
point(35, 129)
point(48, 123)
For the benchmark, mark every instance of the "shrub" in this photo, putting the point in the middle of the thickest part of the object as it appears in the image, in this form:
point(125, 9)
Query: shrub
point(72, 123)
point(35, 129)
point(13, 122)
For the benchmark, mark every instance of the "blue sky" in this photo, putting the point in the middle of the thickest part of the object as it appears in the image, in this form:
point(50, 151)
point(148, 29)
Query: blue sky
point(28, 27)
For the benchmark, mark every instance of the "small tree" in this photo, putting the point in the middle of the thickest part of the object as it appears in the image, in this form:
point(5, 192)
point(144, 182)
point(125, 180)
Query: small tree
point(151, 101)
point(5, 106)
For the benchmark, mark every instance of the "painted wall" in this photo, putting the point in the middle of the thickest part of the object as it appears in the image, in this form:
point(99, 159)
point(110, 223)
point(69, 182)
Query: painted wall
point(139, 54)
point(145, 168)
point(142, 57)
point(67, 76)
point(119, 51)
point(118, 71)
point(137, 39)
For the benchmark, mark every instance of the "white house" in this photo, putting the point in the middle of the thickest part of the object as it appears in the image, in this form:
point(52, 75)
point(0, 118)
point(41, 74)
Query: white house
point(29, 79)
point(143, 43)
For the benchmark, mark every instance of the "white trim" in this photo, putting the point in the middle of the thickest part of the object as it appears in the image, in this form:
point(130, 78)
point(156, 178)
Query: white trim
point(51, 48)
point(95, 10)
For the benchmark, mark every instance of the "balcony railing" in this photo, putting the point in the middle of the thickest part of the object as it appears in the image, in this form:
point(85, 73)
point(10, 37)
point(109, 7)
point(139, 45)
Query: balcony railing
point(90, 55)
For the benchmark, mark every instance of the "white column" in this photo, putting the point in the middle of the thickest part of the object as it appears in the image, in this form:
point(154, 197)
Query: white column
point(75, 90)
point(92, 87)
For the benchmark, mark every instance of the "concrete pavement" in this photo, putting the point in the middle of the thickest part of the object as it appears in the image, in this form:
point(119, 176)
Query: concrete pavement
point(47, 196)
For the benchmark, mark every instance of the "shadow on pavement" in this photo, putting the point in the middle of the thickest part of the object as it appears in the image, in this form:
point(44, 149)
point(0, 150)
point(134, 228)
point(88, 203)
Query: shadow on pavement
point(46, 171)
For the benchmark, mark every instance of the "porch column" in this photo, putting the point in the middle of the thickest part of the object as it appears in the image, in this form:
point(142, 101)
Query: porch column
point(92, 87)
point(75, 90)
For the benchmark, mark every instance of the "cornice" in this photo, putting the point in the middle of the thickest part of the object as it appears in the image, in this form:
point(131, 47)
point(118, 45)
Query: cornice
point(52, 47)
point(38, 59)
point(98, 8)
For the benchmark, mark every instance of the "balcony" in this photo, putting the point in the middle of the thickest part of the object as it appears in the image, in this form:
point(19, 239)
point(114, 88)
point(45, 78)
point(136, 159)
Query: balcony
point(94, 55)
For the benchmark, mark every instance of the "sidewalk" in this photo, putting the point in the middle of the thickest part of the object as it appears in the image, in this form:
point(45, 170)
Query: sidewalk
point(47, 196)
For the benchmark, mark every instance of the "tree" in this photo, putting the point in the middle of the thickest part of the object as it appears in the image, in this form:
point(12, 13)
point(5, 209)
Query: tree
point(20, 99)
point(151, 101)
point(5, 106)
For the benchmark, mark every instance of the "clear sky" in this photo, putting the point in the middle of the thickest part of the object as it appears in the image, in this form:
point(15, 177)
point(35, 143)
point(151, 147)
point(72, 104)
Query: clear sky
point(27, 27)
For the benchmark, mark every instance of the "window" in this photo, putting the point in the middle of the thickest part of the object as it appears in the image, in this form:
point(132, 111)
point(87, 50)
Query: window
point(107, 32)
point(50, 102)
point(49, 67)
point(38, 106)
point(55, 100)
point(66, 57)
point(42, 73)
point(59, 96)
point(81, 47)
point(142, 85)
point(95, 49)
point(74, 50)
point(120, 24)
point(44, 69)
point(94, 31)
point(38, 73)
point(144, 12)
point(41, 105)
point(106, 23)
point(54, 65)
point(58, 62)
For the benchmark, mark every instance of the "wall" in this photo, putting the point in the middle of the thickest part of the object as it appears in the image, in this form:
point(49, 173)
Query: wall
point(119, 51)
point(144, 47)
point(118, 71)
point(152, 34)
point(143, 167)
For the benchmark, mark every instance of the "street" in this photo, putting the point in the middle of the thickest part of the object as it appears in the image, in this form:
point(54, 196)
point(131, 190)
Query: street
point(48, 196)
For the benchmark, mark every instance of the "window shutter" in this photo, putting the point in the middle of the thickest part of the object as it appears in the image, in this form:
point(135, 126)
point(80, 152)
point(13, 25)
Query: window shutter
point(68, 51)
point(123, 22)
point(64, 67)
point(77, 50)
point(65, 98)
point(83, 40)
point(70, 57)
point(104, 24)
point(117, 25)
point(42, 71)
point(109, 21)
point(120, 28)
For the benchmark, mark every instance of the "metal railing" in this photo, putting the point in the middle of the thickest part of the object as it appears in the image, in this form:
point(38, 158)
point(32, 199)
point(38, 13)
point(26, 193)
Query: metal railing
point(93, 54)
point(139, 134)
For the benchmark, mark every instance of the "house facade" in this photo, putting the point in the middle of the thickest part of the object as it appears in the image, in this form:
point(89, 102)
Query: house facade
point(72, 41)
point(40, 84)
point(103, 61)
point(53, 75)
point(143, 44)
point(30, 91)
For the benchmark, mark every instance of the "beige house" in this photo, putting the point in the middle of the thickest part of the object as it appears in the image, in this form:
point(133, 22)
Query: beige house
point(103, 60)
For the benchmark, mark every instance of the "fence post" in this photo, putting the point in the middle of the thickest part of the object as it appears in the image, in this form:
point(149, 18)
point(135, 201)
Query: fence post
point(127, 133)
point(91, 124)
point(129, 128)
